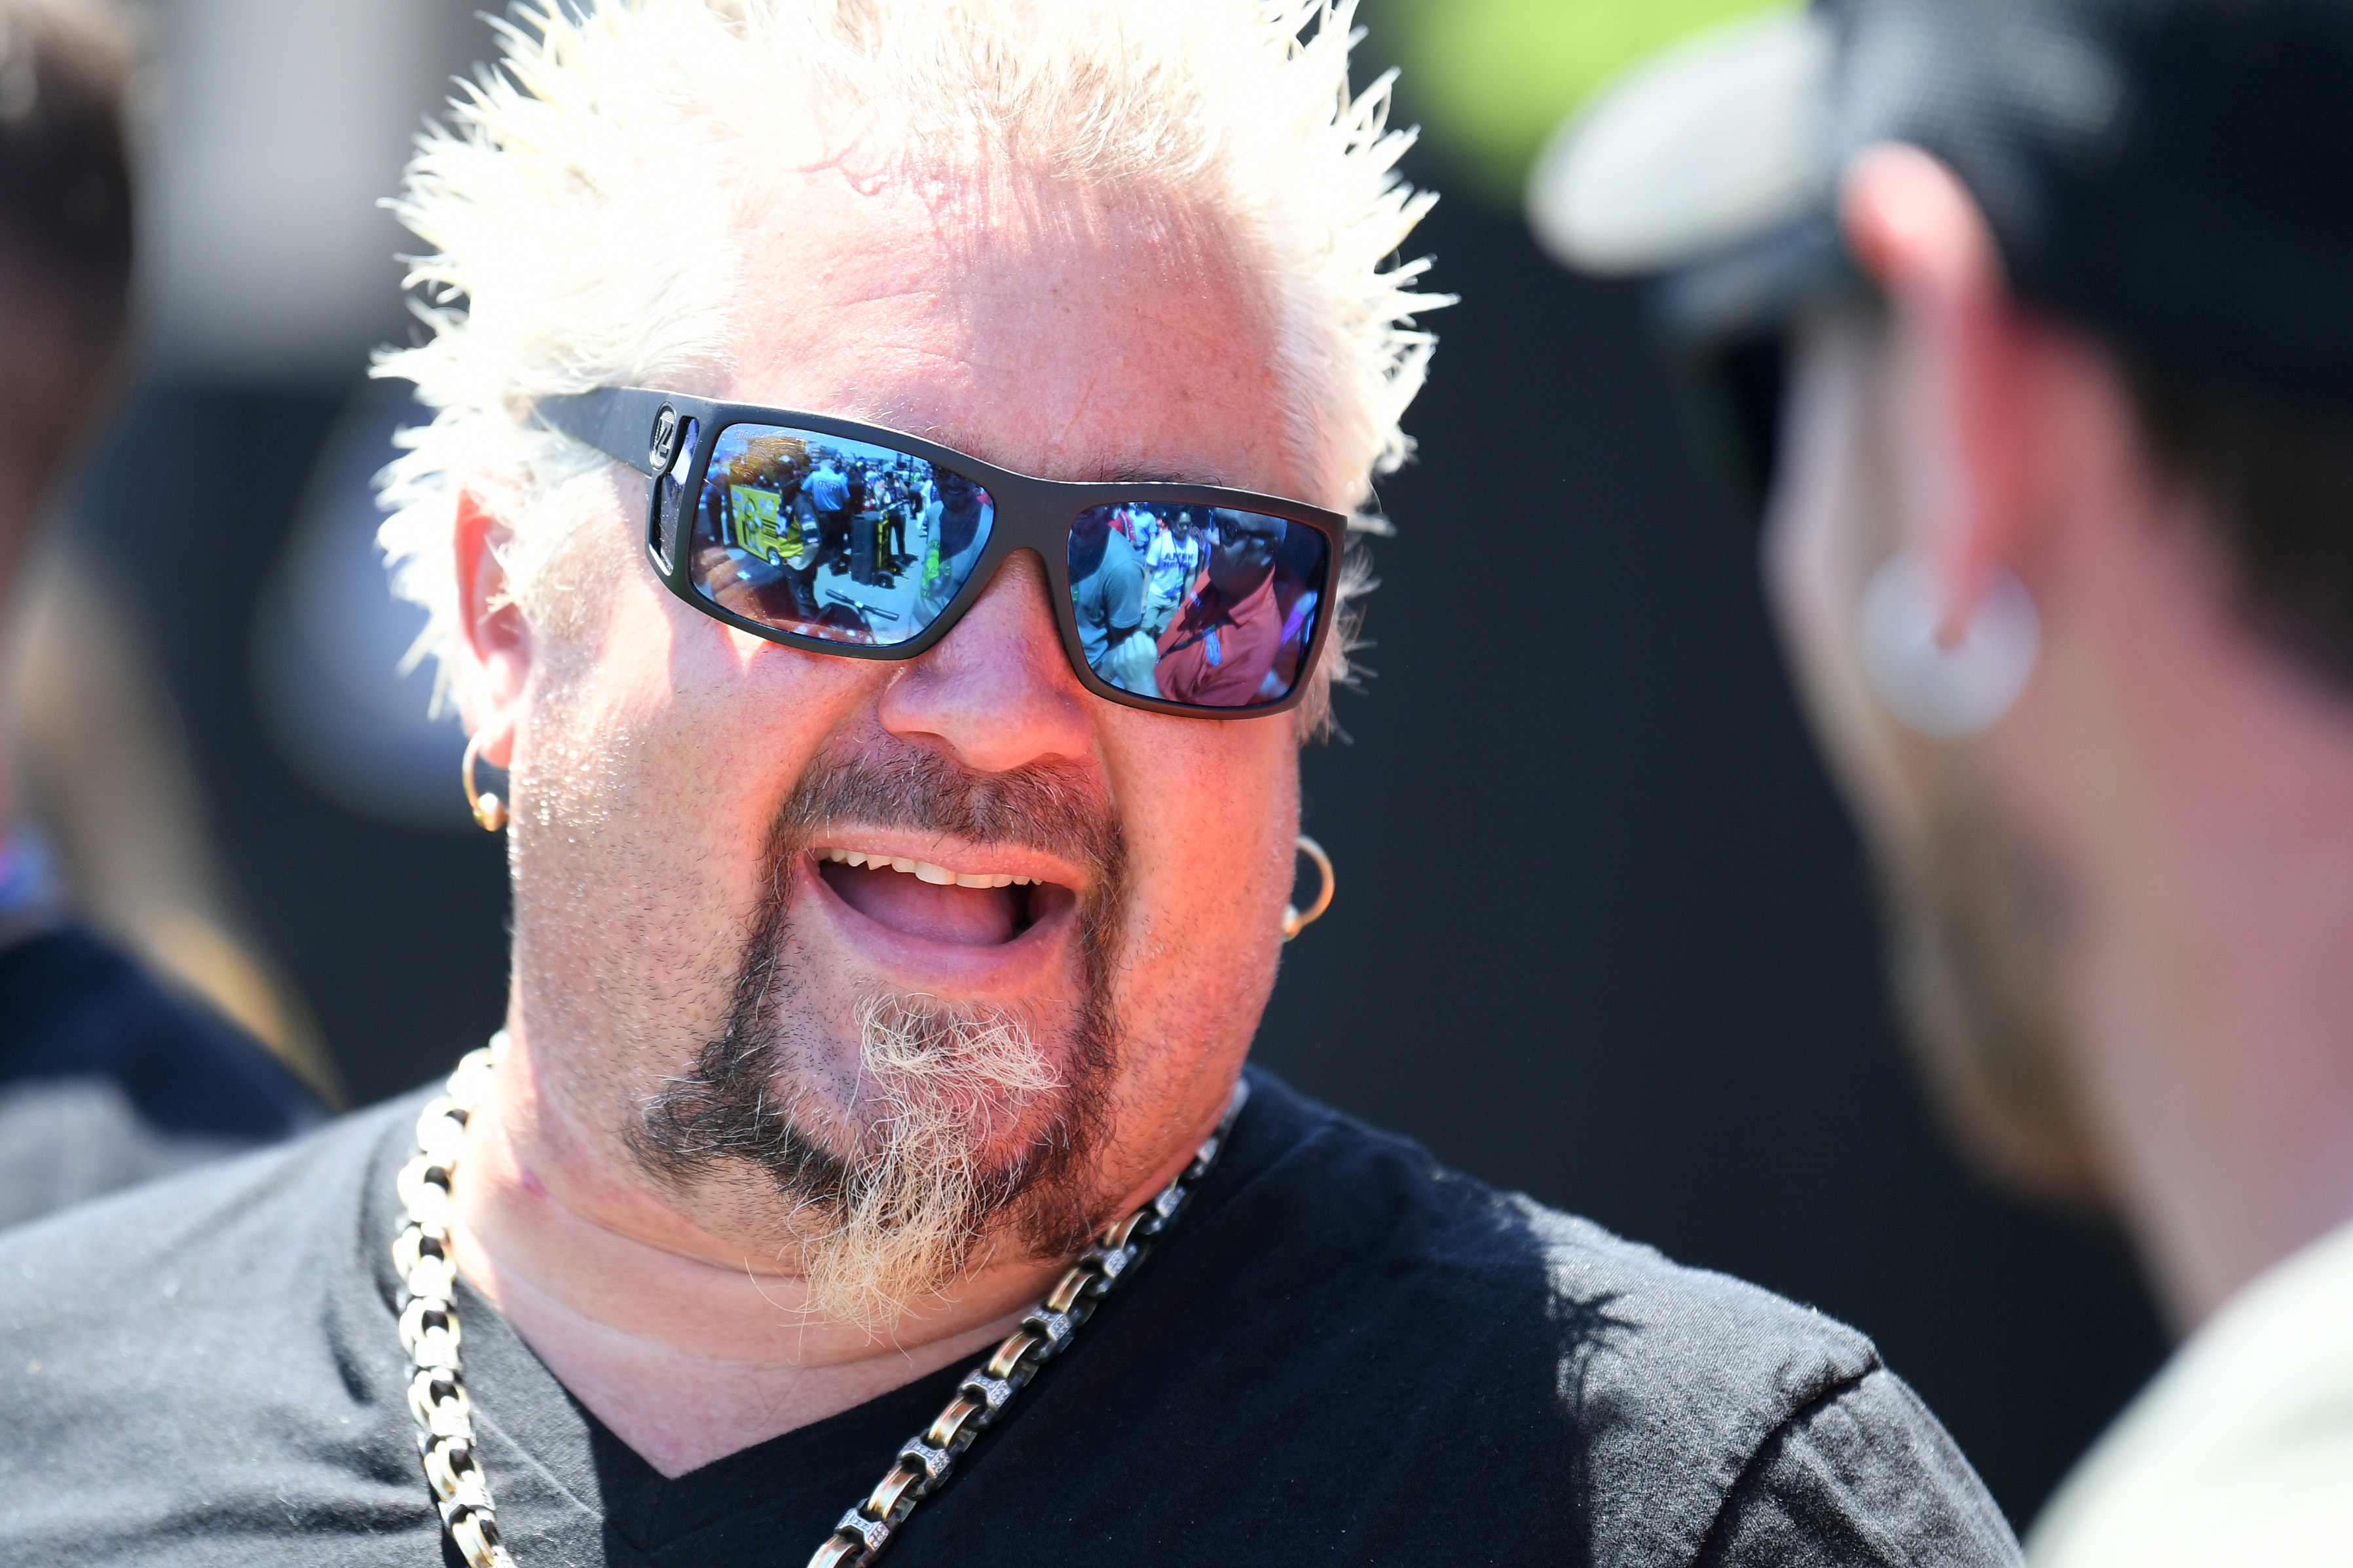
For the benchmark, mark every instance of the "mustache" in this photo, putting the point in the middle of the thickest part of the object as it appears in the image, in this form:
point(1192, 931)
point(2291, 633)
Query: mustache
point(1055, 806)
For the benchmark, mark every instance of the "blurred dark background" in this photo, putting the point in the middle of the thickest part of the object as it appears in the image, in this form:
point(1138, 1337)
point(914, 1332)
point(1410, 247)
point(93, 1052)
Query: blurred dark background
point(1603, 931)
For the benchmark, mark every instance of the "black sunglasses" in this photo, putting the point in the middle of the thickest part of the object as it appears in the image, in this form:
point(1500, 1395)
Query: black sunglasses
point(842, 538)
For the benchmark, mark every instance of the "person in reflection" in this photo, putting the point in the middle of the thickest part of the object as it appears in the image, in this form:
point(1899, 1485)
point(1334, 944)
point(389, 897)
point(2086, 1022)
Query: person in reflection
point(1164, 576)
point(865, 1011)
point(829, 489)
point(1219, 646)
point(1169, 564)
point(2061, 539)
point(954, 524)
point(105, 1078)
point(1107, 601)
point(890, 529)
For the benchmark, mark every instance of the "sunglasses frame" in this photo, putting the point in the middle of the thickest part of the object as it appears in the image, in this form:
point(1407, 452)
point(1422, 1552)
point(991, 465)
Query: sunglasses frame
point(640, 427)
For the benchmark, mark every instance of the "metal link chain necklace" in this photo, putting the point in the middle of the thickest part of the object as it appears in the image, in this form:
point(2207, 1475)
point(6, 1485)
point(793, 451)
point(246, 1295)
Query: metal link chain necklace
point(437, 1387)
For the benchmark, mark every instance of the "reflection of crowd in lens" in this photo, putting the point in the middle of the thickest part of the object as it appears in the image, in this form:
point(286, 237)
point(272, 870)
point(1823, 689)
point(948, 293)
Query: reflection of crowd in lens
point(1200, 605)
point(860, 544)
point(837, 540)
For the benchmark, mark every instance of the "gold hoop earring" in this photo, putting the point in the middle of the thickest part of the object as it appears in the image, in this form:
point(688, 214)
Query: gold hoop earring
point(487, 809)
point(1296, 919)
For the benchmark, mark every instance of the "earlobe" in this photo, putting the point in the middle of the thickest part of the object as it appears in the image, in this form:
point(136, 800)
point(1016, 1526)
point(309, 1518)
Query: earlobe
point(494, 654)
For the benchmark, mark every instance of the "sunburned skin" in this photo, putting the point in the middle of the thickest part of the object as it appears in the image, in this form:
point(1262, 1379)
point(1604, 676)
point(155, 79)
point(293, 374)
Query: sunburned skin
point(1054, 330)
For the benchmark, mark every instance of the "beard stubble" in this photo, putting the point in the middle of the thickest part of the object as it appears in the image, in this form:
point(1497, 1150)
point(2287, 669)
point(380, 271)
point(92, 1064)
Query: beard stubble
point(1976, 923)
point(958, 1129)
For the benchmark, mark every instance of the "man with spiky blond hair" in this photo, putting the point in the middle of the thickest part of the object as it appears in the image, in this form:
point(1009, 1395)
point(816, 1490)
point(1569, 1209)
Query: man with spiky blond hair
point(868, 1160)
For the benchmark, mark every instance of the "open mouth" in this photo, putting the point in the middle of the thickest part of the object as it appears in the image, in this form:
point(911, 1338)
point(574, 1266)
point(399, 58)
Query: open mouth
point(965, 906)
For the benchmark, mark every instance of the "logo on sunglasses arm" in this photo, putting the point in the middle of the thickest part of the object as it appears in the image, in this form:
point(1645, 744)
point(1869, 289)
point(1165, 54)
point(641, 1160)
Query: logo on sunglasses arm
point(665, 437)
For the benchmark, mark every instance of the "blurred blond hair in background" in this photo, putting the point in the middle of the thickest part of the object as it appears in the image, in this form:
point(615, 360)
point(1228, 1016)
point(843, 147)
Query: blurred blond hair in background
point(101, 771)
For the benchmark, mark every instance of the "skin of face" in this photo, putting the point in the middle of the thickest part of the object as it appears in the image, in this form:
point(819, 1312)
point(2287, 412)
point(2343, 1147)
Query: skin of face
point(2156, 843)
point(1972, 947)
point(1063, 330)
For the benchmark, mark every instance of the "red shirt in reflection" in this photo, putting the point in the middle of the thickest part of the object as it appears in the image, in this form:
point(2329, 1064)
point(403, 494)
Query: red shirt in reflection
point(1216, 653)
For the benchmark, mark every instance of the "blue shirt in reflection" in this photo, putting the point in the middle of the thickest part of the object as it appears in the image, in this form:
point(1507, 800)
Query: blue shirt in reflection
point(829, 489)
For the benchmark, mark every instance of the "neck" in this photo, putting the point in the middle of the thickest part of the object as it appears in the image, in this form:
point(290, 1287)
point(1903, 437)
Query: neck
point(688, 1345)
point(2207, 793)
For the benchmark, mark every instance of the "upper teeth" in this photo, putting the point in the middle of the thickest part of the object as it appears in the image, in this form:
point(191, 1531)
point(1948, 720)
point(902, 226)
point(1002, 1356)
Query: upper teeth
point(926, 871)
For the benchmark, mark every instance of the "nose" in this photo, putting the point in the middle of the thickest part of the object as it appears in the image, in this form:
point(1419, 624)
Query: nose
point(998, 691)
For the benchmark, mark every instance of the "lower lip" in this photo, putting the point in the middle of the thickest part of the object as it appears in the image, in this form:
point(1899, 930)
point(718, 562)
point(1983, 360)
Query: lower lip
point(1034, 956)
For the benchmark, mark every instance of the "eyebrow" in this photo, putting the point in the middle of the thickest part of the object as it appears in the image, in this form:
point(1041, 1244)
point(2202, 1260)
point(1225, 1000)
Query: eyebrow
point(1109, 473)
point(1131, 475)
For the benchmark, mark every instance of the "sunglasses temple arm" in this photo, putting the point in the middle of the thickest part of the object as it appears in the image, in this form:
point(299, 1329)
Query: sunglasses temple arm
point(618, 421)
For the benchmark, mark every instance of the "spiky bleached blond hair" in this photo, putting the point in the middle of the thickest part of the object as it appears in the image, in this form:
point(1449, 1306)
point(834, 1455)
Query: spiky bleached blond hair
point(564, 258)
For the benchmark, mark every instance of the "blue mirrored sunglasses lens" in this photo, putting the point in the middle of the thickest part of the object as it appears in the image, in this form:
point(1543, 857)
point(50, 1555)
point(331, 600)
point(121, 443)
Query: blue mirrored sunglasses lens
point(1204, 605)
point(826, 537)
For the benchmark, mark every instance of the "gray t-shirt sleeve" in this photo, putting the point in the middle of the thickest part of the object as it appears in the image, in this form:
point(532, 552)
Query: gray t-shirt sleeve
point(1109, 600)
point(1865, 1476)
point(1124, 610)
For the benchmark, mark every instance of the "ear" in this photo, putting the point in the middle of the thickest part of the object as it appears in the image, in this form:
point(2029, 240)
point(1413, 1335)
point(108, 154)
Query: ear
point(1969, 425)
point(494, 645)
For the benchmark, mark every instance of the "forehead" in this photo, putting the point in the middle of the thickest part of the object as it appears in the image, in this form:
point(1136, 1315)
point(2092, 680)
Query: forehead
point(1067, 330)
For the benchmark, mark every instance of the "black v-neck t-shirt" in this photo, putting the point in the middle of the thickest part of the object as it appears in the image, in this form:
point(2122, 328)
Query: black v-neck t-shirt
point(1341, 1354)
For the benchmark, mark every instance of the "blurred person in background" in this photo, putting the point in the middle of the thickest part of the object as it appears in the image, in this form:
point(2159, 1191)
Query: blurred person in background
point(872, 1011)
point(2034, 317)
point(105, 1078)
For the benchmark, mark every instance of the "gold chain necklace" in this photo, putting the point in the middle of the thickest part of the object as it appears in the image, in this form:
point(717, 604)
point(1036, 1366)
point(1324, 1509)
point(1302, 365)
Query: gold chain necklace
point(436, 1386)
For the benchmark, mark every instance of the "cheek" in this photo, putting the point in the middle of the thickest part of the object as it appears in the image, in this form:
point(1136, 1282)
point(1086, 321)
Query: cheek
point(1832, 524)
point(1211, 847)
point(1827, 535)
point(657, 756)
point(1210, 811)
point(1808, 593)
